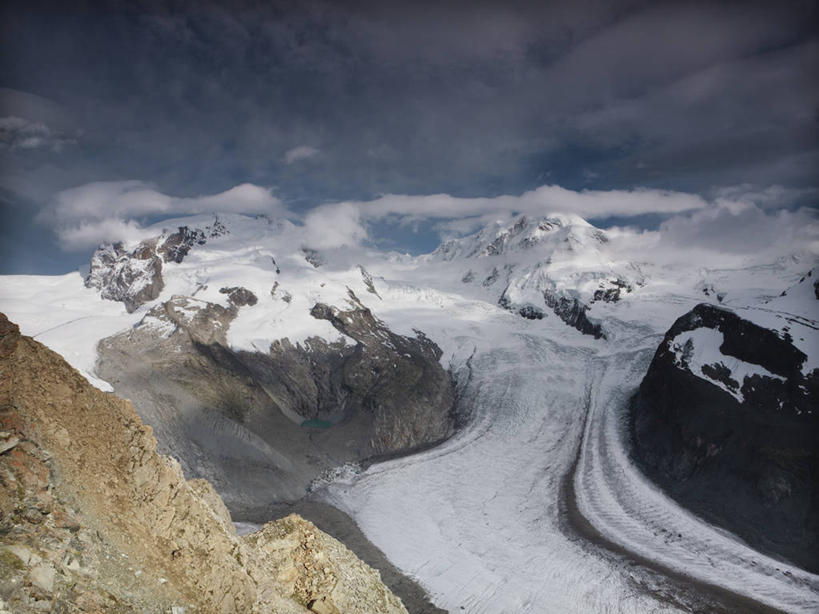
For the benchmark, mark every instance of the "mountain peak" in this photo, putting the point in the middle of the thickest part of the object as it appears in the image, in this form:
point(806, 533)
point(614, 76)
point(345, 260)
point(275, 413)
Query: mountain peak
point(555, 232)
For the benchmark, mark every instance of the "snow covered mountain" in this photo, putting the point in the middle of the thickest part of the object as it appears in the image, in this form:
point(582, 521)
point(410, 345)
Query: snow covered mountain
point(275, 368)
point(255, 369)
point(559, 263)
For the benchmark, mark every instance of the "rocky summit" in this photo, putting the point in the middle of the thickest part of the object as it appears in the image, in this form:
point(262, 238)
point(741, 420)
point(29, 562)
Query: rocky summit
point(131, 276)
point(93, 519)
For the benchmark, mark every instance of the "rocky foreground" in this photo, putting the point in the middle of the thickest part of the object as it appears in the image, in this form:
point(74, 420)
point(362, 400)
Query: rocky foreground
point(92, 519)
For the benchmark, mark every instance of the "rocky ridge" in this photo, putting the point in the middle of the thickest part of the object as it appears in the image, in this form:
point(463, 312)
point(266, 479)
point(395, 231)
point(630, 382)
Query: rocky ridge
point(263, 425)
point(93, 519)
point(175, 246)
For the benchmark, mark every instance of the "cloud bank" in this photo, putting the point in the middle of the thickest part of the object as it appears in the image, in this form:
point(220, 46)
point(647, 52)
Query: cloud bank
point(87, 215)
point(739, 225)
point(726, 234)
point(17, 133)
point(736, 225)
point(464, 98)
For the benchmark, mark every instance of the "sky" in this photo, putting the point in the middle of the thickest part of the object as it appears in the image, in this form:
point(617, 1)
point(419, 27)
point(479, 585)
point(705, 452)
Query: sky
point(397, 123)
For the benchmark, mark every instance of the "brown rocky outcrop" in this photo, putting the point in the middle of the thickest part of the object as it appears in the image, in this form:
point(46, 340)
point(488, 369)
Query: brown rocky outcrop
point(239, 296)
point(92, 519)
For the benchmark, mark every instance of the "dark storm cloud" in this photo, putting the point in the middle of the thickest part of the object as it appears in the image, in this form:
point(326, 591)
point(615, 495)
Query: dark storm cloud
point(332, 101)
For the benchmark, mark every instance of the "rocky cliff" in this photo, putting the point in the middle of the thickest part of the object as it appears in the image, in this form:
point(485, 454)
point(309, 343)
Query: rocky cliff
point(263, 425)
point(726, 420)
point(93, 519)
point(131, 276)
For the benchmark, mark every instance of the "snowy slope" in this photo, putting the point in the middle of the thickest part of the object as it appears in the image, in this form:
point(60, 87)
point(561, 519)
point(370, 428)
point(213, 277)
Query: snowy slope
point(560, 255)
point(795, 314)
point(71, 319)
point(66, 316)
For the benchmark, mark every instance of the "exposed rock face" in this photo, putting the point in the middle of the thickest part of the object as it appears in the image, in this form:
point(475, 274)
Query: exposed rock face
point(396, 382)
point(278, 292)
point(311, 567)
point(133, 277)
point(239, 296)
point(573, 312)
point(530, 312)
point(368, 281)
point(94, 520)
point(174, 247)
point(726, 421)
point(262, 426)
point(312, 256)
point(568, 308)
point(491, 278)
point(497, 246)
point(177, 245)
point(611, 290)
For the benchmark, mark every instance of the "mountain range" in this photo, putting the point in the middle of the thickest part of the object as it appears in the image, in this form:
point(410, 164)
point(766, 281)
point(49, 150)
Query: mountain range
point(478, 409)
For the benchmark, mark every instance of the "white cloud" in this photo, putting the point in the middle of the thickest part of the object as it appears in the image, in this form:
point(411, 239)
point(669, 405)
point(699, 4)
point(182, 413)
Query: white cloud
point(91, 233)
point(543, 200)
point(744, 229)
point(18, 133)
point(88, 214)
point(461, 215)
point(772, 197)
point(331, 226)
point(302, 152)
point(243, 198)
point(728, 233)
point(738, 226)
point(127, 199)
